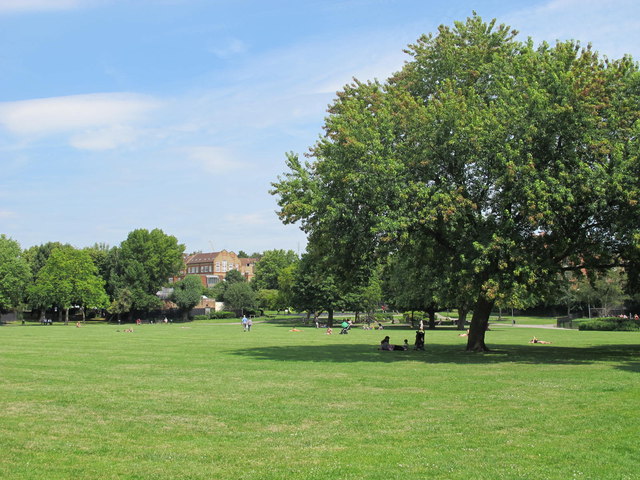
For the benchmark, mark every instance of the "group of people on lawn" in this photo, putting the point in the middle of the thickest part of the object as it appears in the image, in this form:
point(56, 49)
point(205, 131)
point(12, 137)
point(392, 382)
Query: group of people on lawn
point(385, 344)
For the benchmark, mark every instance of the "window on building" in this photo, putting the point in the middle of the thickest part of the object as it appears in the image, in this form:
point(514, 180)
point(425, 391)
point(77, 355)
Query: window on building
point(217, 266)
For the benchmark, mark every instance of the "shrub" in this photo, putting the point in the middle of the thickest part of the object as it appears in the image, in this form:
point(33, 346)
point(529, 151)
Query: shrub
point(222, 315)
point(611, 324)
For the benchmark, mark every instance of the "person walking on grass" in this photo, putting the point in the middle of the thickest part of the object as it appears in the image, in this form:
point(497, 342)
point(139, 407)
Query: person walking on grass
point(249, 323)
point(244, 323)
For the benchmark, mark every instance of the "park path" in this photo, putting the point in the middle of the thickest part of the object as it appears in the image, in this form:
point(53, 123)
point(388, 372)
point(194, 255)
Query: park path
point(548, 325)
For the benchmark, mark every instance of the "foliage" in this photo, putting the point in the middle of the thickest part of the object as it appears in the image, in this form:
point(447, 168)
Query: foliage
point(508, 162)
point(270, 267)
point(69, 277)
point(187, 293)
point(216, 292)
point(606, 289)
point(286, 282)
point(99, 253)
point(15, 274)
point(37, 255)
point(234, 276)
point(610, 324)
point(222, 314)
point(143, 263)
point(315, 288)
point(239, 296)
point(122, 302)
point(268, 299)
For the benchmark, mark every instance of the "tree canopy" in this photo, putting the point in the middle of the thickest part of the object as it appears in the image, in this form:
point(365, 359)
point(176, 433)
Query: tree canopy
point(187, 293)
point(270, 266)
point(15, 274)
point(69, 277)
point(239, 296)
point(509, 162)
point(143, 263)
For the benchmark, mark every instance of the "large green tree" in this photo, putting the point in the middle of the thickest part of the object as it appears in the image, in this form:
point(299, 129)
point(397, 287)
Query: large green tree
point(68, 278)
point(187, 293)
point(239, 297)
point(270, 266)
point(38, 254)
point(143, 264)
point(15, 275)
point(316, 289)
point(516, 161)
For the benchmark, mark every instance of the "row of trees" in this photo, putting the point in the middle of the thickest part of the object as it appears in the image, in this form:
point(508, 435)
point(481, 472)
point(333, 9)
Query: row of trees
point(122, 279)
point(477, 176)
point(59, 276)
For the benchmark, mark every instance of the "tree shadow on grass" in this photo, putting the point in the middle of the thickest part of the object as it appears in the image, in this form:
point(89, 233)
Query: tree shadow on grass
point(434, 354)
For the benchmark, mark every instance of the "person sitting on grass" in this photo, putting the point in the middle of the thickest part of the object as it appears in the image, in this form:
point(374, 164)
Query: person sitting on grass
point(535, 340)
point(419, 345)
point(329, 331)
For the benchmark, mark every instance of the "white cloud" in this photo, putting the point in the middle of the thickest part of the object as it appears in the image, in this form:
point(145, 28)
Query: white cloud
point(249, 219)
point(72, 113)
point(613, 27)
point(105, 139)
point(7, 214)
point(9, 6)
point(212, 159)
point(231, 48)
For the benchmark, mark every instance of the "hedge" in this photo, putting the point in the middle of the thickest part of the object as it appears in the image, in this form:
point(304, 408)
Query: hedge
point(215, 315)
point(611, 324)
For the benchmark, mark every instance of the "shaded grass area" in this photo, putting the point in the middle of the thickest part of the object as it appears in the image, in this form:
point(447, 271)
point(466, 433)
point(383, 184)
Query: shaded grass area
point(210, 401)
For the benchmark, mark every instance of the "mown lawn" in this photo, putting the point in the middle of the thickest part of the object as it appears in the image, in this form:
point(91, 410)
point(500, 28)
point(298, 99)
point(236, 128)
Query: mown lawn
point(203, 401)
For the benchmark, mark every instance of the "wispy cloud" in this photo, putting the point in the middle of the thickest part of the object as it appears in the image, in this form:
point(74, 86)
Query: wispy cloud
point(105, 139)
point(212, 159)
point(229, 48)
point(13, 6)
point(75, 115)
point(248, 219)
point(607, 25)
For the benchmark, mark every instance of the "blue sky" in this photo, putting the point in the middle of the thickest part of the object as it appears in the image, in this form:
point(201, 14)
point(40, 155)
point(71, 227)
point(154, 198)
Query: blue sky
point(176, 114)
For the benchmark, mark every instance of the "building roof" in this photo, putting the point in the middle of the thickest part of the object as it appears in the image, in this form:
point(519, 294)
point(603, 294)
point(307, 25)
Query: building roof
point(201, 257)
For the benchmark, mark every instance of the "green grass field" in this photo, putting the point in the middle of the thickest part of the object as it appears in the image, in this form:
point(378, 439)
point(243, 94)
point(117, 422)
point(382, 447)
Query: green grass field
point(203, 401)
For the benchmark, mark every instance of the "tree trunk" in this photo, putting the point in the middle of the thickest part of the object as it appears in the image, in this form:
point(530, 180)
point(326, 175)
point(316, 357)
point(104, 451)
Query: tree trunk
point(330, 318)
point(432, 318)
point(66, 316)
point(462, 317)
point(479, 324)
point(84, 315)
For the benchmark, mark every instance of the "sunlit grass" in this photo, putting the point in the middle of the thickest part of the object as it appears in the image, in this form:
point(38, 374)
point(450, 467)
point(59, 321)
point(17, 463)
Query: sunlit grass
point(202, 401)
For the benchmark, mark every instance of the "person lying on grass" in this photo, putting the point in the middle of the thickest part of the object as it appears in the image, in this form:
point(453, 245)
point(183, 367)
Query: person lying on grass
point(535, 340)
point(385, 345)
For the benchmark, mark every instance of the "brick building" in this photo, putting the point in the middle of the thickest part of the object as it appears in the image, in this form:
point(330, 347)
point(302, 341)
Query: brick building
point(213, 267)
